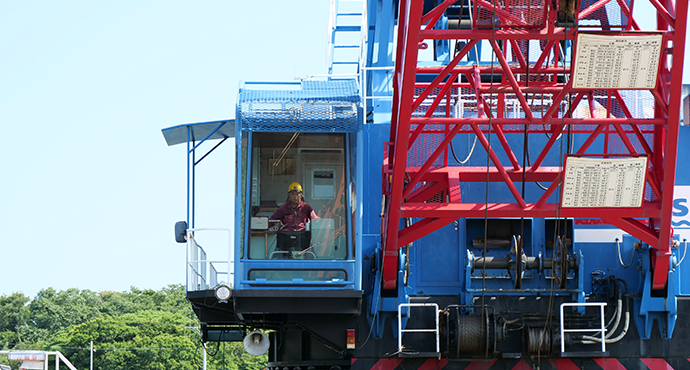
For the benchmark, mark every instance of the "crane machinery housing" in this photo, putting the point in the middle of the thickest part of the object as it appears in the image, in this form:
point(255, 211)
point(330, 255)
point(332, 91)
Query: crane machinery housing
point(496, 185)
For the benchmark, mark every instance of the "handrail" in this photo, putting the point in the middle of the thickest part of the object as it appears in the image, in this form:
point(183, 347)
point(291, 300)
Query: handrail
point(58, 357)
point(409, 313)
point(602, 329)
point(202, 273)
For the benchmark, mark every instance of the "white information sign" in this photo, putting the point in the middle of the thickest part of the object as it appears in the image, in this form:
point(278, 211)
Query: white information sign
point(26, 356)
point(616, 61)
point(609, 182)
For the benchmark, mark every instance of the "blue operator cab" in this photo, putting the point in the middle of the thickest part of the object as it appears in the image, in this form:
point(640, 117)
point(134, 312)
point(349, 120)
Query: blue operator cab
point(300, 132)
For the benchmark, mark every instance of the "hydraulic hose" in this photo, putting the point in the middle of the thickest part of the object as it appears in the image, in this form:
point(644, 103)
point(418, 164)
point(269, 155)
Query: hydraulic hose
point(594, 340)
point(619, 309)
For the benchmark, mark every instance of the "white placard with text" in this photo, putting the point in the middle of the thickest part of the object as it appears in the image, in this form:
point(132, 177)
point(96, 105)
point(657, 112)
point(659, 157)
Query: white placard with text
point(604, 182)
point(616, 61)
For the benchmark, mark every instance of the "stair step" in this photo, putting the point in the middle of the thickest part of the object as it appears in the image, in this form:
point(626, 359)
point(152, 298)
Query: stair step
point(348, 28)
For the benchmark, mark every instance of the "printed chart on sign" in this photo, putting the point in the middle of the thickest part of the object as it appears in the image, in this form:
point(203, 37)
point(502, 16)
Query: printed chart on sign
point(616, 62)
point(596, 182)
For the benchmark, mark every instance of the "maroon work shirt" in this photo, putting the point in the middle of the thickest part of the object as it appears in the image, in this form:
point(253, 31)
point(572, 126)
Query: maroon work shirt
point(293, 218)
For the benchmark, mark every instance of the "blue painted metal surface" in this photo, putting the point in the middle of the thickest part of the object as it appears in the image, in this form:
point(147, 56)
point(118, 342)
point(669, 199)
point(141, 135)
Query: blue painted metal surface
point(307, 106)
point(200, 131)
point(653, 307)
point(300, 107)
point(440, 266)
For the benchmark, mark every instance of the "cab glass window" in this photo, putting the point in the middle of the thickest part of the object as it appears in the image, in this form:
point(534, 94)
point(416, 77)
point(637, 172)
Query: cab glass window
point(298, 202)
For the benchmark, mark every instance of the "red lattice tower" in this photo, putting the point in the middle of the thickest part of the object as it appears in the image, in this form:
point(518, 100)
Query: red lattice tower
point(535, 92)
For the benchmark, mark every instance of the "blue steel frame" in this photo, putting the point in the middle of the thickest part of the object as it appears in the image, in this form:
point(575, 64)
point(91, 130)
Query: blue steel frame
point(191, 168)
point(212, 130)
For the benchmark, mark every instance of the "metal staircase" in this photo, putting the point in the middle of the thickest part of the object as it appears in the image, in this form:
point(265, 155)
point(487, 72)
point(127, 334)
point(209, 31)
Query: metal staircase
point(345, 38)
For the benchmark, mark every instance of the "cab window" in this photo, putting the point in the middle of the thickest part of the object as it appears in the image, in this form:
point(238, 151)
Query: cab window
point(298, 198)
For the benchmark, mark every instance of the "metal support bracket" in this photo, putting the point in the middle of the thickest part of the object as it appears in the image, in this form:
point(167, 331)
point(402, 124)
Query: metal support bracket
point(657, 305)
point(382, 309)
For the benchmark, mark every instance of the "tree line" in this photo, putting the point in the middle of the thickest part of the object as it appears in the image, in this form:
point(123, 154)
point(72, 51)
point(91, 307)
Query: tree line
point(137, 329)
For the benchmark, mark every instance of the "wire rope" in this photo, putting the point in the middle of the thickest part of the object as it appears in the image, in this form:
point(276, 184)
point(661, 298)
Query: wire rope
point(525, 146)
point(488, 150)
point(558, 207)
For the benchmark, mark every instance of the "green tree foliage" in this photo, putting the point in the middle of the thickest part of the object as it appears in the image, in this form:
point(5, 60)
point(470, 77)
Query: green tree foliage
point(139, 329)
point(144, 339)
point(13, 314)
point(52, 311)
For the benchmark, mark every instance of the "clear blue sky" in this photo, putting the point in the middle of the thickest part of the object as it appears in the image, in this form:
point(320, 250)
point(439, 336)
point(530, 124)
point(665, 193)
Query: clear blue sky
point(89, 191)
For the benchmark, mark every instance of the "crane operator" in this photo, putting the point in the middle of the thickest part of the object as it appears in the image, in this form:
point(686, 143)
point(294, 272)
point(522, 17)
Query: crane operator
point(293, 216)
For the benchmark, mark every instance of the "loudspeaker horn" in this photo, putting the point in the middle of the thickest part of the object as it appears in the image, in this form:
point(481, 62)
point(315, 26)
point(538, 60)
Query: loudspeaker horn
point(256, 343)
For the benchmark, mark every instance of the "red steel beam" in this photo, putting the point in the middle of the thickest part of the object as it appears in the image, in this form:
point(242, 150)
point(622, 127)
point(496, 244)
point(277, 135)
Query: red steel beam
point(403, 202)
point(513, 82)
point(674, 78)
point(405, 71)
point(479, 174)
point(514, 210)
point(559, 34)
point(551, 121)
point(429, 192)
point(489, 69)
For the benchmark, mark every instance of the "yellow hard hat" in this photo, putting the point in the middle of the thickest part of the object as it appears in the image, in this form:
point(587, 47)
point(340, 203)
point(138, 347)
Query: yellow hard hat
point(295, 186)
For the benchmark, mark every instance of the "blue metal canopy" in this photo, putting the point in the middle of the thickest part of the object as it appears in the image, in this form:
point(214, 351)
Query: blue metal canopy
point(199, 131)
point(316, 106)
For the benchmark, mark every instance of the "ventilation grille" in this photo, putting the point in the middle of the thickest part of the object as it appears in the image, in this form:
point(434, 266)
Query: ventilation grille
point(318, 106)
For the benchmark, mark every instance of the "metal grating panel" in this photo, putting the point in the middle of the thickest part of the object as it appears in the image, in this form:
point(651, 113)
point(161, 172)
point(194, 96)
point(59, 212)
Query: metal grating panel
point(531, 51)
point(423, 108)
point(318, 106)
point(463, 104)
point(606, 16)
point(510, 13)
point(420, 187)
point(425, 145)
point(639, 103)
